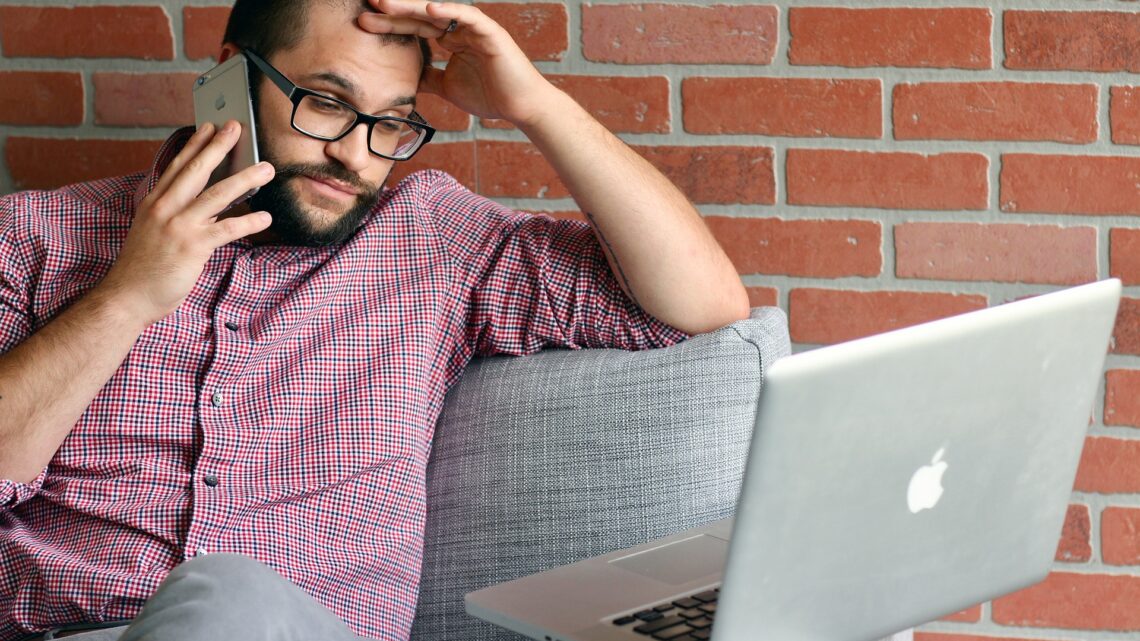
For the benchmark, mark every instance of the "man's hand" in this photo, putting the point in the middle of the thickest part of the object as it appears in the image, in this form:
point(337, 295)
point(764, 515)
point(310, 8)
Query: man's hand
point(488, 74)
point(176, 228)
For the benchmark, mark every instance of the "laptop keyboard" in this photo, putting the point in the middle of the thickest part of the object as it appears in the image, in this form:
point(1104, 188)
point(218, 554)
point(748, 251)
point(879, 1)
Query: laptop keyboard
point(686, 619)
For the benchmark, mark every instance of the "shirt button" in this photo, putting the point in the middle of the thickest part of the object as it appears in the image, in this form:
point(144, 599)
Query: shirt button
point(232, 326)
point(216, 399)
point(200, 552)
point(210, 480)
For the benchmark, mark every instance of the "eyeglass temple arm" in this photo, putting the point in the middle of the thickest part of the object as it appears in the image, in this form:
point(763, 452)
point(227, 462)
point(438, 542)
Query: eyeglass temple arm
point(278, 79)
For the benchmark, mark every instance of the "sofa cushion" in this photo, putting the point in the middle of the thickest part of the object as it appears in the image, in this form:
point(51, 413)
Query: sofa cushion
point(548, 459)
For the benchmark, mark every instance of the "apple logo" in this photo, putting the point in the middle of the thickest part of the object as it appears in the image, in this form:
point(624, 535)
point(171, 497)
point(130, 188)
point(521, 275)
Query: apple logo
point(220, 103)
point(925, 487)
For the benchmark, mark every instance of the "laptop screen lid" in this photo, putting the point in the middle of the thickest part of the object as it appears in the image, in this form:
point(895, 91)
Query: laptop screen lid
point(904, 476)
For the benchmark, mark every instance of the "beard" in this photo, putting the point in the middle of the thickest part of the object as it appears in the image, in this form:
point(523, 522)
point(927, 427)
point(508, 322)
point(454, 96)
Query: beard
point(291, 222)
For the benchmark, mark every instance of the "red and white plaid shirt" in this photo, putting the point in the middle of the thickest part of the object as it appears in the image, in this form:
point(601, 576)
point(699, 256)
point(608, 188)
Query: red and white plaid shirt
point(285, 410)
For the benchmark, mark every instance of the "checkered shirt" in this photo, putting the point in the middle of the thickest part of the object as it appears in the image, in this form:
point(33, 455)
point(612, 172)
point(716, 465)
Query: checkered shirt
point(285, 410)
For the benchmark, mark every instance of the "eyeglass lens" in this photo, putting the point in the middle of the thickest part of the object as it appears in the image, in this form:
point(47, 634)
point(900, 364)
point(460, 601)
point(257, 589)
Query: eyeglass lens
point(329, 119)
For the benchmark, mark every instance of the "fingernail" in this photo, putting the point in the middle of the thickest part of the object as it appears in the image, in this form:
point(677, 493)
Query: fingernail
point(230, 127)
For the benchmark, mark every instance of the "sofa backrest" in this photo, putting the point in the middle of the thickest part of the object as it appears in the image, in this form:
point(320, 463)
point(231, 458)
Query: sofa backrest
point(548, 459)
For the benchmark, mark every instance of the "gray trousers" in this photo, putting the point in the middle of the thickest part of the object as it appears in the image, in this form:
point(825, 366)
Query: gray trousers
point(227, 596)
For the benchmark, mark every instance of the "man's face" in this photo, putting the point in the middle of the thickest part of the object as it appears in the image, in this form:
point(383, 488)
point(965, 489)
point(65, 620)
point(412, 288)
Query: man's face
point(323, 190)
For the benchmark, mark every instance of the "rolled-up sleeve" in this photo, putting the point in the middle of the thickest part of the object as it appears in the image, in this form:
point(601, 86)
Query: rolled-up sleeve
point(533, 281)
point(15, 325)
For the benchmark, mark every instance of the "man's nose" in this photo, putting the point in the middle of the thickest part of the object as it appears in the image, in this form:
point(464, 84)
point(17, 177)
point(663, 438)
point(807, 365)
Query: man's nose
point(352, 149)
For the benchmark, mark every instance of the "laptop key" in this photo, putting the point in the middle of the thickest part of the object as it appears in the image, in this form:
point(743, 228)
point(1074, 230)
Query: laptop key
point(625, 620)
point(706, 597)
point(673, 632)
point(702, 635)
point(659, 624)
point(648, 615)
point(703, 622)
point(691, 614)
point(664, 607)
point(709, 607)
point(686, 603)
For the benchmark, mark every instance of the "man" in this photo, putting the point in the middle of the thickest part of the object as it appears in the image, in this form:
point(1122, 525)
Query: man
point(225, 415)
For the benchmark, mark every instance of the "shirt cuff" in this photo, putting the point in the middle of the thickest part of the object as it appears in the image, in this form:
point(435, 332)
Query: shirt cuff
point(13, 493)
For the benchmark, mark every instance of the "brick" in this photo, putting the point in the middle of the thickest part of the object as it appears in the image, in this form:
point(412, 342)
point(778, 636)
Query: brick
point(684, 34)
point(996, 111)
point(949, 636)
point(1122, 397)
point(1050, 184)
point(622, 104)
point(456, 158)
point(1075, 545)
point(202, 31)
point(1109, 466)
point(1124, 255)
point(888, 180)
point(515, 169)
point(996, 252)
point(719, 175)
point(1124, 114)
point(825, 316)
point(891, 37)
point(1076, 40)
point(144, 99)
point(86, 32)
point(1075, 602)
point(540, 29)
point(563, 215)
point(441, 114)
point(1126, 335)
point(969, 615)
point(47, 163)
point(1120, 535)
point(813, 248)
point(803, 107)
point(762, 296)
point(41, 98)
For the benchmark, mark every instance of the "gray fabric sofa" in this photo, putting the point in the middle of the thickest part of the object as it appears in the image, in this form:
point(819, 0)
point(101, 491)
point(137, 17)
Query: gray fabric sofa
point(551, 458)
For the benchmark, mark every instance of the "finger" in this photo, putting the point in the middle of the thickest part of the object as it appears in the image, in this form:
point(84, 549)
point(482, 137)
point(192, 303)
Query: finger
point(192, 147)
point(227, 230)
point(192, 179)
point(440, 14)
point(381, 23)
point(226, 193)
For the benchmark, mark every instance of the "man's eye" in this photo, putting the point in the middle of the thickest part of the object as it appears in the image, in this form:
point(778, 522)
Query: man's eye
point(327, 106)
point(389, 125)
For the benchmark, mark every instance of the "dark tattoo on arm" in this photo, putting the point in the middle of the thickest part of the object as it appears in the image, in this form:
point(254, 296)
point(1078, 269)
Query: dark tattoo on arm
point(609, 250)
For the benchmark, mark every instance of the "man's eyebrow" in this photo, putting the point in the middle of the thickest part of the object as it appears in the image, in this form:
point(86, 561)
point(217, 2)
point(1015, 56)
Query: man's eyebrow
point(350, 88)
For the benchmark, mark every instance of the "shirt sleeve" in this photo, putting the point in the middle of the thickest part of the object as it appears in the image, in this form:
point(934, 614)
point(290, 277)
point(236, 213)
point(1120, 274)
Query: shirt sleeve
point(530, 281)
point(15, 325)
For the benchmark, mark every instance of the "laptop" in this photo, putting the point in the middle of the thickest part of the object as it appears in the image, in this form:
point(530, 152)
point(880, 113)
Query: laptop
point(890, 480)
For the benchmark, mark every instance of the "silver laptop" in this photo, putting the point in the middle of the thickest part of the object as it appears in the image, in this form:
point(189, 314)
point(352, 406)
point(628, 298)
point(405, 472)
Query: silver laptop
point(891, 480)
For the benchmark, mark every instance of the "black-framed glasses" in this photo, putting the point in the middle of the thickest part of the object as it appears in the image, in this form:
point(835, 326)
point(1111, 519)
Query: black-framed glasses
point(325, 118)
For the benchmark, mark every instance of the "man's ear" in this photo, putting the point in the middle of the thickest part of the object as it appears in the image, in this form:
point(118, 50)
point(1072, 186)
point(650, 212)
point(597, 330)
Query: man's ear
point(228, 49)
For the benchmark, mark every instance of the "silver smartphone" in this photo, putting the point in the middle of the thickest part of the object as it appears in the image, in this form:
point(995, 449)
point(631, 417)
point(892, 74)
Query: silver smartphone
point(222, 94)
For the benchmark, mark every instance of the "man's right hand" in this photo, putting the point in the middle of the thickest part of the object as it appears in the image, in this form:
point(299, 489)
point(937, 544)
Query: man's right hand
point(176, 227)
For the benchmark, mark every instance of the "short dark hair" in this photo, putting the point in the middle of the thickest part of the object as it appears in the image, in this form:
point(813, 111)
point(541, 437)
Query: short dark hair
point(269, 26)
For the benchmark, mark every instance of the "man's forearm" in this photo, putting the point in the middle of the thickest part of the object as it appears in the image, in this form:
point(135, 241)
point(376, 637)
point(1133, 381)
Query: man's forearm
point(47, 382)
point(658, 247)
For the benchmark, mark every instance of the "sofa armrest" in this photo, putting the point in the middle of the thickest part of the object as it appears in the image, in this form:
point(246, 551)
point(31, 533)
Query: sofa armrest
point(547, 459)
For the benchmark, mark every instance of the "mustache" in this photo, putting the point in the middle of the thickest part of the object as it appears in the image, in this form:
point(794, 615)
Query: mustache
point(326, 170)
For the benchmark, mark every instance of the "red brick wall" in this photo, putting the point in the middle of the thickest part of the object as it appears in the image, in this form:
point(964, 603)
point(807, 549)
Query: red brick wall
point(865, 167)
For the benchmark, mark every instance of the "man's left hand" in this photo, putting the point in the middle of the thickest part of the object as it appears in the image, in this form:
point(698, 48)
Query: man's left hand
point(488, 75)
